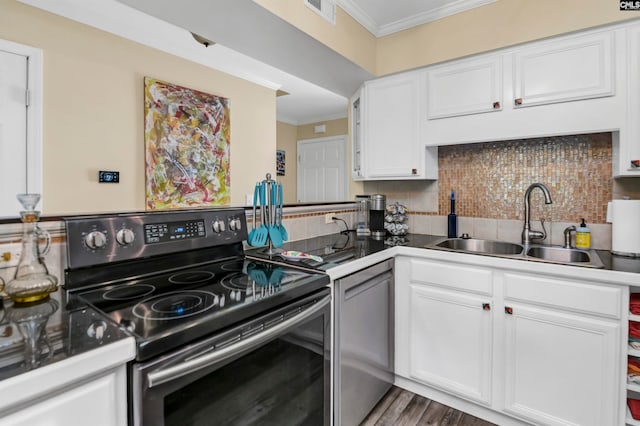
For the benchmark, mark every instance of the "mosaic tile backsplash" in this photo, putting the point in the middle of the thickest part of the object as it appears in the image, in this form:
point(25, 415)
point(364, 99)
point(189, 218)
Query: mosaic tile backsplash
point(490, 179)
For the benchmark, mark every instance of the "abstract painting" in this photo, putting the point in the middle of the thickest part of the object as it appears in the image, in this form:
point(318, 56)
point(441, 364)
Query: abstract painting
point(187, 143)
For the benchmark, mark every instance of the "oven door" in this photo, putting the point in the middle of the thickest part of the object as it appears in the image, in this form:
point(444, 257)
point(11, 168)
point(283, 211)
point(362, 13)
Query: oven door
point(272, 370)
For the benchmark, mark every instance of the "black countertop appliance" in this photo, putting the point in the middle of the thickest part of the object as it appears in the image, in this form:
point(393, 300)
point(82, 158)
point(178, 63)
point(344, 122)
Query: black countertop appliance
point(376, 215)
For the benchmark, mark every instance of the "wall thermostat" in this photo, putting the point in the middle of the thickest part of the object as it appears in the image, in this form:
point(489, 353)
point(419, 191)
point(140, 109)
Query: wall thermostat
point(108, 177)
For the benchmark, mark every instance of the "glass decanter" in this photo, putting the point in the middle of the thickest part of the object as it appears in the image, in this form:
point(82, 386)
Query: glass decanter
point(32, 280)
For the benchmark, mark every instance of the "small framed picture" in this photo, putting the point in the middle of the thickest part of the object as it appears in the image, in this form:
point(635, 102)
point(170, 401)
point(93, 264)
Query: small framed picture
point(280, 162)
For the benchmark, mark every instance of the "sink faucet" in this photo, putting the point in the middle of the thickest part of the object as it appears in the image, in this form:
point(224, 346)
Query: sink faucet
point(527, 234)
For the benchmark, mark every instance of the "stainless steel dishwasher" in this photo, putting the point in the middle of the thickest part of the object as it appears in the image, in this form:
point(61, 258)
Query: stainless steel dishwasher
point(363, 342)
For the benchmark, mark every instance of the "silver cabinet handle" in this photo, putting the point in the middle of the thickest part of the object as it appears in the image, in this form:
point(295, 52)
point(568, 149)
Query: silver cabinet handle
point(159, 377)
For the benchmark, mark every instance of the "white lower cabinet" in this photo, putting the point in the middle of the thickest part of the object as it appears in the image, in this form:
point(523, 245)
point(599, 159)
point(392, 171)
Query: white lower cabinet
point(89, 388)
point(533, 348)
point(454, 358)
point(98, 402)
point(560, 367)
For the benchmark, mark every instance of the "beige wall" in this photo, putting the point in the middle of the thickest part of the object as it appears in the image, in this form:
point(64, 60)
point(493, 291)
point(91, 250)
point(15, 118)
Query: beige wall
point(288, 137)
point(500, 24)
point(347, 37)
point(337, 127)
point(93, 112)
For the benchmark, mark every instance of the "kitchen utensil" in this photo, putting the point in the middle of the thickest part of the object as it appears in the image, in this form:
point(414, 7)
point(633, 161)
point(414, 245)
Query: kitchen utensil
point(274, 232)
point(257, 273)
point(251, 238)
point(281, 228)
point(261, 234)
point(277, 274)
point(624, 216)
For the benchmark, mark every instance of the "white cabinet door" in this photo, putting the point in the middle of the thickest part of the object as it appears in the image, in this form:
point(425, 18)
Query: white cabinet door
point(357, 172)
point(564, 70)
point(627, 142)
point(450, 341)
point(561, 367)
point(100, 402)
point(391, 131)
point(465, 87)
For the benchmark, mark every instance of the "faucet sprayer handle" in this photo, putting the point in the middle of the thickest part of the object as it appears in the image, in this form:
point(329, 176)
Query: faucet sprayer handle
point(567, 236)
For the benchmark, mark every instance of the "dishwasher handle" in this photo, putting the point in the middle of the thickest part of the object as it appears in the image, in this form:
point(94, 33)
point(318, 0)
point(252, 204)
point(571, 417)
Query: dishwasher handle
point(156, 378)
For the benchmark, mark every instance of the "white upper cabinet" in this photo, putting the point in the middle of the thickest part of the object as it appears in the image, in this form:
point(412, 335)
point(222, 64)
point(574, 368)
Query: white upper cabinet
point(560, 86)
point(357, 172)
point(626, 143)
point(387, 142)
point(465, 87)
point(585, 82)
point(564, 70)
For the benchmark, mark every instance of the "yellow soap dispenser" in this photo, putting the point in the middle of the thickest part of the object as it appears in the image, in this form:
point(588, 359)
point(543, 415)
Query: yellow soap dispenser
point(583, 236)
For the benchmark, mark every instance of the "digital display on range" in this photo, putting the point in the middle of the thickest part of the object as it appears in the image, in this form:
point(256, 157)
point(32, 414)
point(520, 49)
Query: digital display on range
point(173, 231)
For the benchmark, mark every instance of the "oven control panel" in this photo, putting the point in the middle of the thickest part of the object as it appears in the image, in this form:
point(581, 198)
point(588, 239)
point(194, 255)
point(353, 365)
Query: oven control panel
point(173, 231)
point(99, 239)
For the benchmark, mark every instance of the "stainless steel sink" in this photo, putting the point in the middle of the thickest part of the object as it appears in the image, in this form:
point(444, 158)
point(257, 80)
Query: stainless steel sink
point(559, 254)
point(536, 253)
point(481, 246)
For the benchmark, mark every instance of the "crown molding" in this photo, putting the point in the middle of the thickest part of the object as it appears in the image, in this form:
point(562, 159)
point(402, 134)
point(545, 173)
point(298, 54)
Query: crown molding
point(449, 9)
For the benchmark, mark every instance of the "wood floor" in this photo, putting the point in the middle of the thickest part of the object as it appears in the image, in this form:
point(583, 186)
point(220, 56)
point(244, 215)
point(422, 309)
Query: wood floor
point(403, 408)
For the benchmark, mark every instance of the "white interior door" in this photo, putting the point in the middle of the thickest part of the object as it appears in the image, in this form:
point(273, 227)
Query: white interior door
point(20, 124)
point(322, 165)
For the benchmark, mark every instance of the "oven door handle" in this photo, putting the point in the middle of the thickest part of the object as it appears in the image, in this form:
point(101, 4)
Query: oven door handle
point(159, 377)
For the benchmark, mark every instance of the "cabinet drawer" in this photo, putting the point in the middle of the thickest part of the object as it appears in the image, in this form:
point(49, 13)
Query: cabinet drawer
point(465, 278)
point(564, 294)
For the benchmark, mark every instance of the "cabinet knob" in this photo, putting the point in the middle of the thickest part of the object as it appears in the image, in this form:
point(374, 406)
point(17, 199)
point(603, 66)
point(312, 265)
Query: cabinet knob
point(508, 310)
point(496, 105)
point(486, 306)
point(414, 171)
point(518, 101)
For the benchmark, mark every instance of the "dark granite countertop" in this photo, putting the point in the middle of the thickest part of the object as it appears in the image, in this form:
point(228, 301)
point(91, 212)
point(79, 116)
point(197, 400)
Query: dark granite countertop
point(42, 333)
point(336, 249)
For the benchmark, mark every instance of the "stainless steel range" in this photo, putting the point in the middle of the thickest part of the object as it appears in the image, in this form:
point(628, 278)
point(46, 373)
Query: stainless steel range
point(220, 339)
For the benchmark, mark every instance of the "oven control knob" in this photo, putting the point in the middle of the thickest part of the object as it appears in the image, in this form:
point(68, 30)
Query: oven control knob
point(95, 240)
point(235, 224)
point(128, 325)
point(97, 329)
point(218, 226)
point(125, 237)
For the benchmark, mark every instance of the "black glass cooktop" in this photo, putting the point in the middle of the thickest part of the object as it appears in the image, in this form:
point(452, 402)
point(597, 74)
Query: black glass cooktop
point(167, 310)
point(334, 250)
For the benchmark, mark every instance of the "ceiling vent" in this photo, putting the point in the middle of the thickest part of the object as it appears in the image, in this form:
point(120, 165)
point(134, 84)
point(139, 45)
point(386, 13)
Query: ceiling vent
point(324, 8)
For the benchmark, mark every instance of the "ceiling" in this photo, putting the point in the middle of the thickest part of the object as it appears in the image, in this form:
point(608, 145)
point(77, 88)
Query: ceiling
point(383, 17)
point(256, 45)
